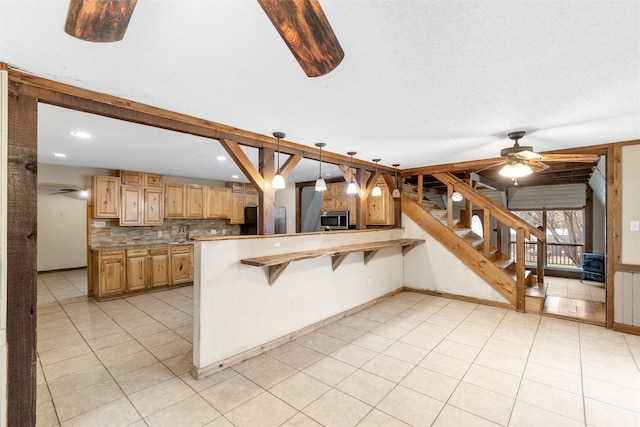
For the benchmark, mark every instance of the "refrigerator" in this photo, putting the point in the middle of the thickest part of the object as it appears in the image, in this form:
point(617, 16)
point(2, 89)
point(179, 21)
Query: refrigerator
point(250, 225)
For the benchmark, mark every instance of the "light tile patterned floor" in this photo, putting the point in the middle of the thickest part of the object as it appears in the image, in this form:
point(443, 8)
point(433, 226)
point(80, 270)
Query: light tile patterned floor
point(411, 360)
point(574, 289)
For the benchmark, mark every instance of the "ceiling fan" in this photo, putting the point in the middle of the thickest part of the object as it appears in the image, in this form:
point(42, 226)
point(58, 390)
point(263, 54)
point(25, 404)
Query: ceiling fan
point(521, 160)
point(302, 24)
point(76, 192)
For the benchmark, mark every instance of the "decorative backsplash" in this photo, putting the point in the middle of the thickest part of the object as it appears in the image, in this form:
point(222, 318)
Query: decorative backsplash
point(171, 231)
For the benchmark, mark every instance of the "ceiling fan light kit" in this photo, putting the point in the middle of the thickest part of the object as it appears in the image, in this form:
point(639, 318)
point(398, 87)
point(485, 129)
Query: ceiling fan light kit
point(321, 185)
point(376, 192)
point(456, 197)
point(351, 188)
point(278, 180)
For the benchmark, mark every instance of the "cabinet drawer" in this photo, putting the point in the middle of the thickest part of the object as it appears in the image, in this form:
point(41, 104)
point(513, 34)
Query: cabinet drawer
point(153, 180)
point(131, 178)
point(181, 249)
point(111, 254)
point(158, 251)
point(136, 252)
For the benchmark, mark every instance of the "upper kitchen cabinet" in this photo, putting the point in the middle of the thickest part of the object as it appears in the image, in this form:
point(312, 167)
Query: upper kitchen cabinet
point(195, 201)
point(175, 200)
point(141, 179)
point(132, 202)
point(380, 208)
point(218, 202)
point(142, 204)
point(106, 197)
point(153, 206)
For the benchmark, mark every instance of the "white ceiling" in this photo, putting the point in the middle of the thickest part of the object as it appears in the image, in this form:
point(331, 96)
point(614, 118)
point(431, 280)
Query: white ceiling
point(422, 82)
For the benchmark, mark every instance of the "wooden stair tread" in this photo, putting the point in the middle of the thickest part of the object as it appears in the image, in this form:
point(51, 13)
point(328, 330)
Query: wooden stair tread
point(503, 263)
point(537, 290)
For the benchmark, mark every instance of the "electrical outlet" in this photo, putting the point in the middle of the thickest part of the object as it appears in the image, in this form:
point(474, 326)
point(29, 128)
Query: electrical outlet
point(294, 305)
point(99, 224)
point(159, 233)
point(369, 280)
point(635, 226)
point(213, 232)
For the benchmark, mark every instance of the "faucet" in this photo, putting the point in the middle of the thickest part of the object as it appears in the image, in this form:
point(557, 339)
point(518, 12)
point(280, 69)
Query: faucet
point(186, 230)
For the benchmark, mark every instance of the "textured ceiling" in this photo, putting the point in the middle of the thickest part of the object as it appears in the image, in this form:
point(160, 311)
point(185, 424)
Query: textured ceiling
point(422, 82)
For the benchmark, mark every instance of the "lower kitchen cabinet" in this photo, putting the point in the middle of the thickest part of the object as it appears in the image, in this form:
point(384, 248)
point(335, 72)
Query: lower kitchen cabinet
point(123, 272)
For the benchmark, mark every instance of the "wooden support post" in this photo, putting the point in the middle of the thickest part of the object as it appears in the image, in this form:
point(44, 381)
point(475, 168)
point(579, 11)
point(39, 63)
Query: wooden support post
point(520, 291)
point(361, 200)
point(487, 233)
point(20, 261)
point(499, 236)
point(468, 208)
point(266, 208)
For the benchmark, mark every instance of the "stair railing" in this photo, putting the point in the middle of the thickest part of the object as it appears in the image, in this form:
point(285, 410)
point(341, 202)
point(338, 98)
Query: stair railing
point(503, 217)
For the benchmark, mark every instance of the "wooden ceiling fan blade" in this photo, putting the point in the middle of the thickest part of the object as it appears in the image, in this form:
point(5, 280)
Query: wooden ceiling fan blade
point(578, 158)
point(493, 165)
point(305, 29)
point(99, 21)
point(537, 166)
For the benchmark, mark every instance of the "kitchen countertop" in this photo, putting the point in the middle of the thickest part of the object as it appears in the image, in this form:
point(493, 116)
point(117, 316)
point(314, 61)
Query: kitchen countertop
point(139, 246)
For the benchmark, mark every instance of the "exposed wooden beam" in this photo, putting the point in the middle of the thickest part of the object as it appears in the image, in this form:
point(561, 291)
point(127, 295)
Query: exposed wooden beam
point(99, 21)
point(233, 149)
point(290, 165)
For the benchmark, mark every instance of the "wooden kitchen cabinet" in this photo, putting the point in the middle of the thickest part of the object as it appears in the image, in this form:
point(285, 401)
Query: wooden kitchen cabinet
point(181, 264)
point(237, 209)
point(132, 178)
point(218, 202)
point(380, 208)
point(175, 200)
point(136, 268)
point(153, 206)
point(158, 267)
point(195, 201)
point(106, 197)
point(108, 269)
point(153, 180)
point(132, 204)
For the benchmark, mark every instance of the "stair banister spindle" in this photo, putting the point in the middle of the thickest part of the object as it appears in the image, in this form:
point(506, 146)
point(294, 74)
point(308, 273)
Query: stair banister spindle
point(449, 206)
point(520, 267)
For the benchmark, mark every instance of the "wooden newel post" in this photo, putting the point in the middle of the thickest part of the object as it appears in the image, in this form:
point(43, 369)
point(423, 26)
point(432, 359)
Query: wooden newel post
point(520, 267)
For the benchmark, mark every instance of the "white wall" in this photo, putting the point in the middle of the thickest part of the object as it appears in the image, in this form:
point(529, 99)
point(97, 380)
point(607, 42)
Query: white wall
point(287, 198)
point(239, 311)
point(433, 267)
point(630, 253)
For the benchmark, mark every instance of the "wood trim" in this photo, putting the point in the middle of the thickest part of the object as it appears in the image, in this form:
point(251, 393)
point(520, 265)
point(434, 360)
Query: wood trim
point(200, 373)
point(627, 329)
point(614, 222)
point(628, 268)
point(21, 258)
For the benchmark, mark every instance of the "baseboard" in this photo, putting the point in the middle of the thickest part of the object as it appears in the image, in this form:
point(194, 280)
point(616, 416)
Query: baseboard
point(62, 270)
point(627, 329)
point(461, 298)
point(200, 373)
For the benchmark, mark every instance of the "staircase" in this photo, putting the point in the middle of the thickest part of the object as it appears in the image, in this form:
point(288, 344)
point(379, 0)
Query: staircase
point(524, 290)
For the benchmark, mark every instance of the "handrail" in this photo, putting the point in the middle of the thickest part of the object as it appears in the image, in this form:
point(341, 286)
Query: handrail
point(501, 214)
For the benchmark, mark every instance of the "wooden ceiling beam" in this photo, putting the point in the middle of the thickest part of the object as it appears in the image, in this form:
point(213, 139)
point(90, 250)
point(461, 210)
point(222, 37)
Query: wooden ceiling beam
point(289, 165)
point(235, 152)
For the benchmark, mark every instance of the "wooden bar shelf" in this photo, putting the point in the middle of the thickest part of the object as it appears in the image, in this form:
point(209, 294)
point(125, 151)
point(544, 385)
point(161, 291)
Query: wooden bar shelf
point(276, 264)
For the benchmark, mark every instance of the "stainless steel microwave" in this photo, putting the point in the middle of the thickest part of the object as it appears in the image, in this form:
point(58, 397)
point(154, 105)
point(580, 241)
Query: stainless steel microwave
point(334, 220)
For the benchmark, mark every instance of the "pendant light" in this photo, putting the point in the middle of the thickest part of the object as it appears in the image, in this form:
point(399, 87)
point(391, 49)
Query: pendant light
point(351, 188)
point(376, 190)
point(456, 196)
point(278, 179)
point(396, 192)
point(320, 184)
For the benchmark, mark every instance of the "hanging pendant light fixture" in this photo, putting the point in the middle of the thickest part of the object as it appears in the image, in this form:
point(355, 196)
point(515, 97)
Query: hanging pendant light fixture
point(278, 179)
point(396, 192)
point(320, 184)
point(456, 196)
point(514, 169)
point(351, 188)
point(376, 190)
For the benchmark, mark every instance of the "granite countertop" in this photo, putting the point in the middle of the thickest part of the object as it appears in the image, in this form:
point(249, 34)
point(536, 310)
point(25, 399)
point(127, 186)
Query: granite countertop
point(139, 246)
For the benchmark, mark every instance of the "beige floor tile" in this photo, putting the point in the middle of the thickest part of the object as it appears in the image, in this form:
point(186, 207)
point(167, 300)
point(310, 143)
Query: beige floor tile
point(180, 364)
point(330, 371)
point(118, 351)
point(173, 319)
point(373, 342)
point(70, 366)
point(337, 409)
point(300, 420)
point(192, 411)
point(555, 360)
point(152, 399)
point(172, 349)
point(130, 363)
point(600, 414)
point(552, 399)
point(613, 394)
point(483, 403)
point(553, 377)
point(455, 349)
point(388, 367)
point(299, 357)
point(390, 332)
point(528, 415)
point(78, 381)
point(46, 414)
point(220, 422)
point(207, 382)
point(406, 352)
point(377, 418)
point(109, 340)
point(417, 339)
point(142, 378)
point(440, 319)
point(403, 322)
point(366, 387)
point(343, 332)
point(263, 410)
point(375, 315)
point(73, 404)
point(507, 348)
point(432, 329)
point(299, 390)
point(430, 383)
point(624, 376)
point(450, 366)
point(161, 338)
point(269, 373)
point(231, 393)
point(354, 355)
point(251, 363)
point(53, 343)
point(114, 414)
point(360, 323)
point(454, 417)
point(411, 407)
point(494, 380)
point(500, 362)
point(324, 344)
point(63, 353)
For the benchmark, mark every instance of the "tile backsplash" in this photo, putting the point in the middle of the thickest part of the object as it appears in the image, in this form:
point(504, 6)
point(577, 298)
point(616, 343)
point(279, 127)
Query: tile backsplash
point(113, 234)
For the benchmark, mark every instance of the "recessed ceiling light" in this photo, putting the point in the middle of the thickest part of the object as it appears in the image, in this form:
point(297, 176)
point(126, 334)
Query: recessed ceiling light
point(81, 134)
point(234, 176)
point(221, 158)
point(62, 155)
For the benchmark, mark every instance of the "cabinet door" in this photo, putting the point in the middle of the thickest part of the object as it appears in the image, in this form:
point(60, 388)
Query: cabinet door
point(250, 200)
point(237, 209)
point(132, 178)
point(195, 201)
point(328, 203)
point(152, 180)
point(182, 265)
point(132, 202)
point(106, 197)
point(153, 206)
point(380, 208)
point(174, 200)
point(218, 202)
point(341, 202)
point(158, 267)
point(352, 200)
point(136, 273)
point(112, 278)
